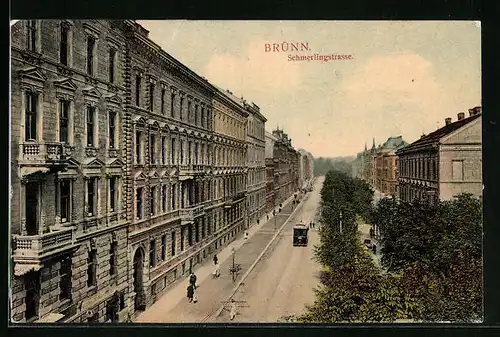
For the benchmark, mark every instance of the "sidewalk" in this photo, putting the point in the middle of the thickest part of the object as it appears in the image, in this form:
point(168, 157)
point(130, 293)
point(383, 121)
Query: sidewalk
point(246, 251)
point(364, 230)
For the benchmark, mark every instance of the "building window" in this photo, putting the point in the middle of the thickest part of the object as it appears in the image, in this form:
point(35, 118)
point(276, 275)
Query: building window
point(189, 111)
point(182, 239)
point(113, 193)
point(112, 60)
point(163, 247)
point(138, 201)
point(64, 121)
point(153, 197)
point(190, 149)
point(65, 200)
point(181, 152)
point(138, 147)
point(196, 153)
point(92, 268)
point(190, 235)
point(180, 107)
point(457, 170)
point(197, 232)
point(65, 279)
point(90, 125)
point(203, 117)
point(152, 148)
point(163, 150)
point(32, 35)
point(112, 129)
point(196, 114)
point(162, 101)
point(173, 244)
point(31, 116)
point(90, 55)
point(64, 44)
point(32, 299)
point(173, 196)
point(137, 90)
point(151, 96)
point(152, 253)
point(164, 198)
point(172, 101)
point(113, 258)
point(91, 197)
point(172, 151)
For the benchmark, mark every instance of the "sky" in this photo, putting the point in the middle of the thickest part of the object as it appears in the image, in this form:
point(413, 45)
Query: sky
point(403, 78)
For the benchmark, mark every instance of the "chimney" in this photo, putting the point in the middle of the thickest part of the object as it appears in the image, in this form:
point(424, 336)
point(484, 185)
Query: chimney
point(471, 112)
point(447, 120)
point(477, 110)
point(461, 115)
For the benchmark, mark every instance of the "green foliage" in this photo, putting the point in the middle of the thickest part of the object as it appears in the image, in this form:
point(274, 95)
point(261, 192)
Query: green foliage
point(323, 165)
point(353, 288)
point(437, 249)
point(432, 254)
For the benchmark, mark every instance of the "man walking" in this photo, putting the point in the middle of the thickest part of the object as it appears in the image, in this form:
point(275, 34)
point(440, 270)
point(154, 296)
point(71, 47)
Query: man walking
point(192, 280)
point(232, 313)
point(190, 293)
point(215, 259)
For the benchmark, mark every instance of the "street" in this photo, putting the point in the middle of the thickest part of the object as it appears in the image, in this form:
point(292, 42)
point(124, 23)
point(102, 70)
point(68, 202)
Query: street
point(283, 269)
point(282, 283)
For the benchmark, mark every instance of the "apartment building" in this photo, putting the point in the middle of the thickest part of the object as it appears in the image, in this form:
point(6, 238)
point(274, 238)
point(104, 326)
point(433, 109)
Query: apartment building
point(67, 215)
point(444, 163)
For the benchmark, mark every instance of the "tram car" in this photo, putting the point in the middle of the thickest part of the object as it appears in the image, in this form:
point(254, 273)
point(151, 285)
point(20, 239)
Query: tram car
point(300, 235)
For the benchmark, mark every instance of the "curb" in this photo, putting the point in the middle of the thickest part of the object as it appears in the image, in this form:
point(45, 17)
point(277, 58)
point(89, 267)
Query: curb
point(219, 311)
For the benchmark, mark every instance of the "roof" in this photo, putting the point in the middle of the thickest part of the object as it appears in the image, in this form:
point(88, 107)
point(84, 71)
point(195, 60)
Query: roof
point(444, 131)
point(394, 143)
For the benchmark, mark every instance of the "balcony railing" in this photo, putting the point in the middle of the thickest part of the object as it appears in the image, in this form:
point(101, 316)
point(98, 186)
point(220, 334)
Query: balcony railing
point(43, 152)
point(31, 249)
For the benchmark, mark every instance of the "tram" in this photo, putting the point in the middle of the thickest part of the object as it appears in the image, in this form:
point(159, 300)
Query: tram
point(300, 235)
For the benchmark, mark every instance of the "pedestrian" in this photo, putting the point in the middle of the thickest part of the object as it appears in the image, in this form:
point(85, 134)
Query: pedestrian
point(374, 249)
point(268, 217)
point(246, 235)
point(215, 259)
point(310, 224)
point(232, 313)
point(371, 232)
point(217, 270)
point(258, 221)
point(190, 293)
point(192, 280)
point(195, 298)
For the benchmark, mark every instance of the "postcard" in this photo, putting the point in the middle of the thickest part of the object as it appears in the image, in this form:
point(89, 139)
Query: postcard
point(184, 171)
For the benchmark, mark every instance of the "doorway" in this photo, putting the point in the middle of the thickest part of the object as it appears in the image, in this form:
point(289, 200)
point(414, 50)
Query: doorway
point(140, 301)
point(31, 208)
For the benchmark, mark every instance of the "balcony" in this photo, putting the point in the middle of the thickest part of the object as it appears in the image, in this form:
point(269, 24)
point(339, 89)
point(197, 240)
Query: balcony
point(48, 155)
point(29, 251)
point(191, 170)
point(188, 215)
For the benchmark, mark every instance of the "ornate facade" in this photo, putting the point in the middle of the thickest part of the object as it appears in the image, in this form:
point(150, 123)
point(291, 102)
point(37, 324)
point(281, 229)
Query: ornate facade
point(270, 174)
point(170, 187)
point(443, 163)
point(68, 209)
point(385, 165)
point(256, 164)
point(286, 167)
point(305, 169)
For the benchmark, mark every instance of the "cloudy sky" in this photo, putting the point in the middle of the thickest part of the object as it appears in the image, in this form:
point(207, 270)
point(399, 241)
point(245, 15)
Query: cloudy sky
point(404, 79)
